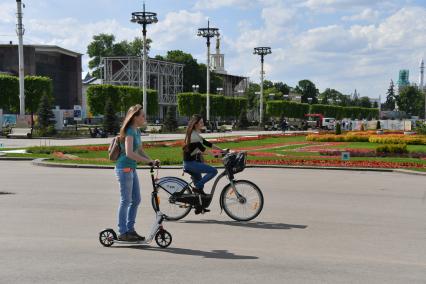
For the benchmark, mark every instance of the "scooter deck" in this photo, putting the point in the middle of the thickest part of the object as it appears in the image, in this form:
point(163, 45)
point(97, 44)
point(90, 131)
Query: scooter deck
point(131, 243)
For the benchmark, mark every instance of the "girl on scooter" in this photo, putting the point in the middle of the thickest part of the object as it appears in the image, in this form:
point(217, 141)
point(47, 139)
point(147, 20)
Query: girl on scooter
point(125, 170)
point(193, 150)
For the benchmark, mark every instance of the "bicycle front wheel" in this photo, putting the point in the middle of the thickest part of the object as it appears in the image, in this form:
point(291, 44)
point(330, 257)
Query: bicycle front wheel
point(173, 210)
point(244, 206)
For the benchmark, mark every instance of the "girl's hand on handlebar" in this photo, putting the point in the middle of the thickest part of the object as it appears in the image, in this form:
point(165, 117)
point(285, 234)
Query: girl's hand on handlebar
point(155, 163)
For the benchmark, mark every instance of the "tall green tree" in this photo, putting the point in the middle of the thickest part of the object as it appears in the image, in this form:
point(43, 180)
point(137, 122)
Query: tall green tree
point(390, 97)
point(46, 118)
point(104, 45)
point(307, 90)
point(35, 88)
point(170, 123)
point(330, 96)
point(110, 123)
point(365, 102)
point(411, 100)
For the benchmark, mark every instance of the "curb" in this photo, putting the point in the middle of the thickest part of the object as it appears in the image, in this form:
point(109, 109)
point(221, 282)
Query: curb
point(43, 163)
point(409, 172)
point(15, 159)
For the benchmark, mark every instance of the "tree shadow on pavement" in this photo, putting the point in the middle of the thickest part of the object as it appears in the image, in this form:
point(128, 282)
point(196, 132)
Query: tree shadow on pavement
point(218, 254)
point(255, 225)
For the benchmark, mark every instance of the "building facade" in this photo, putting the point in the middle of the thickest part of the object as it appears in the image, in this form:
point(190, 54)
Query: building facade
point(61, 65)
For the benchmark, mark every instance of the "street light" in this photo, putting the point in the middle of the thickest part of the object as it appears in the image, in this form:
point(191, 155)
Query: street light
point(195, 88)
point(219, 90)
point(262, 51)
point(208, 33)
point(144, 18)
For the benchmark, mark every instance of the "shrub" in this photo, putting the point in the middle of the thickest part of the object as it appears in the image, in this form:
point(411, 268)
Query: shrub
point(378, 126)
point(392, 148)
point(170, 123)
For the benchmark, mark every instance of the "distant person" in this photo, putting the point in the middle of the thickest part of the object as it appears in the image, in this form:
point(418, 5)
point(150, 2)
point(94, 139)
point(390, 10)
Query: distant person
point(283, 125)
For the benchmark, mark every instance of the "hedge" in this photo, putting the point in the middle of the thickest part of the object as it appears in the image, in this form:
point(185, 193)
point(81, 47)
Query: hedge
point(286, 108)
point(192, 103)
point(122, 98)
point(35, 88)
point(298, 110)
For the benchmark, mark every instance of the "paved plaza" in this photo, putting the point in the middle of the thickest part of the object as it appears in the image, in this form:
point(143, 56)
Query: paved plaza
point(318, 226)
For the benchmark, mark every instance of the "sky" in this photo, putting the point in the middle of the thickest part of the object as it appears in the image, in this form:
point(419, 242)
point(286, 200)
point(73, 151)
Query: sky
point(340, 44)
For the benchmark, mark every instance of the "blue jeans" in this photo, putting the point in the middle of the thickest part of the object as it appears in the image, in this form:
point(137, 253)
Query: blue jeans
point(197, 169)
point(130, 198)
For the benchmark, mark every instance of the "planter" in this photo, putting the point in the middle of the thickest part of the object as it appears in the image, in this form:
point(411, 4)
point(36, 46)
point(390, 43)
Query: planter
point(409, 133)
point(379, 132)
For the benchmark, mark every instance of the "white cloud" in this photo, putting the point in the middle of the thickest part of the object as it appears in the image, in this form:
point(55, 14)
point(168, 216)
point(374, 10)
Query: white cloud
point(8, 12)
point(366, 15)
point(176, 27)
point(216, 4)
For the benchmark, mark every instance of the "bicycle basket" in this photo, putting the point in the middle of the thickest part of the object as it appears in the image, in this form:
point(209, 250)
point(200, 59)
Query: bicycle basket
point(235, 162)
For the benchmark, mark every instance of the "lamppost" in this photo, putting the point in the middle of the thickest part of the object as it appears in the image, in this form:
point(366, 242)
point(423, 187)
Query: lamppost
point(262, 51)
point(208, 33)
point(20, 31)
point(144, 18)
point(219, 91)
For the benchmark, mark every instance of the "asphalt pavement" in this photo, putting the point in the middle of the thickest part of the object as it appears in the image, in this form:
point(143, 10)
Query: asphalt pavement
point(316, 227)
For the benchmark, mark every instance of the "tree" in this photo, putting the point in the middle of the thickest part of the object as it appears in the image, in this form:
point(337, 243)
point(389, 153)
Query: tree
point(242, 120)
point(170, 123)
point(46, 118)
point(252, 97)
point(365, 102)
point(110, 123)
point(307, 89)
point(35, 88)
point(411, 101)
point(267, 84)
point(390, 97)
point(282, 87)
point(330, 96)
point(104, 45)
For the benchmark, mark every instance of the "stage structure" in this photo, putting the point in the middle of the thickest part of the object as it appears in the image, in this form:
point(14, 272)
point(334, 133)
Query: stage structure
point(163, 76)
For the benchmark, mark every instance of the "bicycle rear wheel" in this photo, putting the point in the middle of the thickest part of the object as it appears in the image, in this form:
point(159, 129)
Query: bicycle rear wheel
point(167, 186)
point(246, 207)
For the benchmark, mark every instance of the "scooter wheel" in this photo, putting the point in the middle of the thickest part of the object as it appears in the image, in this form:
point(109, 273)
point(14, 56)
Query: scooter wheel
point(107, 237)
point(163, 238)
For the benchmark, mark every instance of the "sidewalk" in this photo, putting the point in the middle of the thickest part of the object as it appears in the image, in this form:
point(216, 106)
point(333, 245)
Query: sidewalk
point(21, 143)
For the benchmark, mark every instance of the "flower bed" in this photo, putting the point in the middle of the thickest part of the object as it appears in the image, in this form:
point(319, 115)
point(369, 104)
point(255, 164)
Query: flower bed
point(337, 163)
point(352, 152)
point(337, 138)
point(398, 139)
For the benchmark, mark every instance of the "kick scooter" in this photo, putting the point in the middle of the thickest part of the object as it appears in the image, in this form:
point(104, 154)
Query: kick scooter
point(163, 238)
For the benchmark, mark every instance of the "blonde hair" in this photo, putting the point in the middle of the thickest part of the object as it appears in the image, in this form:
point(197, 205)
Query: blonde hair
point(131, 113)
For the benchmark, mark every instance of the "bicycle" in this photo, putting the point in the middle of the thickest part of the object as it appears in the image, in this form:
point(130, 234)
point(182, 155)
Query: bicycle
point(242, 200)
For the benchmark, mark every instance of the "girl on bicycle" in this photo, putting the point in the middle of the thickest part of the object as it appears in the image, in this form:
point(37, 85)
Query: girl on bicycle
point(193, 150)
point(125, 170)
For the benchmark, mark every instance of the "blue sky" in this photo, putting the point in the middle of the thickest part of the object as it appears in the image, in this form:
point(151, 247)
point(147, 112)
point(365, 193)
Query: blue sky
point(341, 44)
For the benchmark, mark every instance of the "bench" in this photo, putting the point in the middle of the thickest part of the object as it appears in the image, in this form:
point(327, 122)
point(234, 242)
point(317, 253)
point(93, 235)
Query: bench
point(225, 128)
point(20, 132)
point(154, 128)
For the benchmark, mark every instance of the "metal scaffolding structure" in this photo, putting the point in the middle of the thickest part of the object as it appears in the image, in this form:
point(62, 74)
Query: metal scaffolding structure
point(163, 76)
